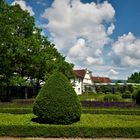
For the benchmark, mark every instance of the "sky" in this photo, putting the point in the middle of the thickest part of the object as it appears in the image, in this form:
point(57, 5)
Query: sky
point(100, 35)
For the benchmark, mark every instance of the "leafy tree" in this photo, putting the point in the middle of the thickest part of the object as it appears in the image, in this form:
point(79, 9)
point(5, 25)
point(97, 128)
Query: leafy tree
point(16, 27)
point(25, 54)
point(48, 60)
point(57, 102)
point(134, 78)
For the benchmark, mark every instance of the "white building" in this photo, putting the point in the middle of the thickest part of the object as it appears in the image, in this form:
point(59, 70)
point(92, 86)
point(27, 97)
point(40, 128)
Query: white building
point(83, 81)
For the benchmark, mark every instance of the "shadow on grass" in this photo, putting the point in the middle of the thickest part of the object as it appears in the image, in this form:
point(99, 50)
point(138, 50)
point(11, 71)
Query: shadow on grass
point(47, 121)
point(40, 120)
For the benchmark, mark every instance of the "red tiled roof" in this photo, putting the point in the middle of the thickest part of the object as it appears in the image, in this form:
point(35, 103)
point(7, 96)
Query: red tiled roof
point(80, 73)
point(101, 79)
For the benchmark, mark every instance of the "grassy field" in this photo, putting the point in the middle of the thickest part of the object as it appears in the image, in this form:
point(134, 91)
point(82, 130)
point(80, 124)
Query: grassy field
point(16, 120)
point(90, 120)
point(89, 126)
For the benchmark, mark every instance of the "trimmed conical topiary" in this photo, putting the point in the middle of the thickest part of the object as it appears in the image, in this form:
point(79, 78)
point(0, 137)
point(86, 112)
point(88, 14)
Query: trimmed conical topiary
point(57, 102)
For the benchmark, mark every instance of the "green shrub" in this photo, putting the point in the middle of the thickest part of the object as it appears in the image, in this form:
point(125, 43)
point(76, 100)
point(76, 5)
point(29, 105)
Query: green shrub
point(112, 97)
point(134, 94)
point(111, 111)
point(57, 102)
point(117, 93)
point(108, 93)
point(126, 95)
point(100, 93)
point(138, 97)
point(16, 110)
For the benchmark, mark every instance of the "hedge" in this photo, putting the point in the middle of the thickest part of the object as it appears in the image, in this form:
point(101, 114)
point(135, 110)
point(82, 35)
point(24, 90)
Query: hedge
point(68, 131)
point(57, 102)
point(108, 104)
point(89, 126)
point(84, 111)
point(8, 93)
point(16, 110)
point(112, 97)
point(112, 111)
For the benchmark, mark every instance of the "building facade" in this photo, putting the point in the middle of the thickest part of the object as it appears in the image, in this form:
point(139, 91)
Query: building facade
point(85, 82)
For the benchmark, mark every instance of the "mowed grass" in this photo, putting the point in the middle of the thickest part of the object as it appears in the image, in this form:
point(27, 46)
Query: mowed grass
point(16, 120)
point(93, 120)
point(89, 97)
point(90, 125)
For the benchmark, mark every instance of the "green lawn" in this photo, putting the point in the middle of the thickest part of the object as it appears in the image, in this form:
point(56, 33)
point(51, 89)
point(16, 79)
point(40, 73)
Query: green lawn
point(100, 121)
point(16, 120)
point(89, 126)
point(97, 97)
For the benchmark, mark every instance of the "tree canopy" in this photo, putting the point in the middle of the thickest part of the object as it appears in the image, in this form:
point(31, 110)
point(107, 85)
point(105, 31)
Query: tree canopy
point(57, 102)
point(134, 78)
point(25, 55)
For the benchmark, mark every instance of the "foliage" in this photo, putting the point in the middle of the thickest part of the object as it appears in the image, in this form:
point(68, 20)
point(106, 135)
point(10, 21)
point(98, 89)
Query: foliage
point(103, 125)
point(91, 96)
point(100, 96)
point(134, 78)
point(16, 27)
point(135, 87)
point(25, 54)
point(112, 97)
point(19, 81)
point(57, 101)
point(113, 88)
point(134, 95)
point(138, 97)
point(118, 93)
point(103, 89)
point(126, 95)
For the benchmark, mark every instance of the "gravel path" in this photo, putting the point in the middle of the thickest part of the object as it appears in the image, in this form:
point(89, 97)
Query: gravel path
point(15, 138)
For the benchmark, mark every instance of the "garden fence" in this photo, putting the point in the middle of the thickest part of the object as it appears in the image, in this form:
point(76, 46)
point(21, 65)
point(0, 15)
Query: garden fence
point(7, 93)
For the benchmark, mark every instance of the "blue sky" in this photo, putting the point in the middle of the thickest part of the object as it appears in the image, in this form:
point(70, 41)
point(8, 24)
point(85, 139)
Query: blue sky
point(103, 36)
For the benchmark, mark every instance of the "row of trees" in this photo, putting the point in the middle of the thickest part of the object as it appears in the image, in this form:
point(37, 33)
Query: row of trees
point(26, 57)
point(134, 78)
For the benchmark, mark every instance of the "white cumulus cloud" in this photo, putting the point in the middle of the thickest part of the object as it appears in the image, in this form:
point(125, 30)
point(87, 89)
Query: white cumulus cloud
point(79, 29)
point(24, 6)
point(126, 50)
point(110, 29)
